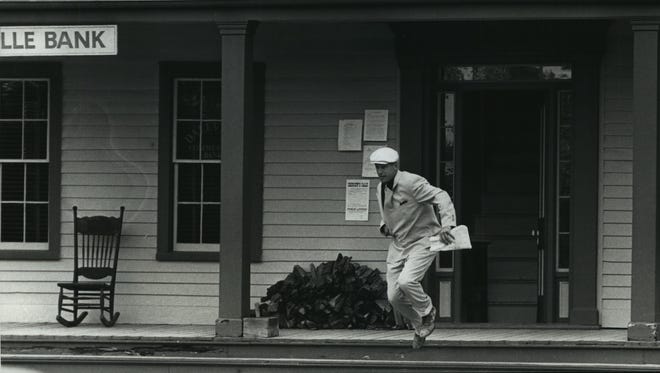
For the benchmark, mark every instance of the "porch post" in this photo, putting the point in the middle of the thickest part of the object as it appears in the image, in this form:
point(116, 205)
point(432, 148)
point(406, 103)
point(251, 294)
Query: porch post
point(234, 289)
point(584, 201)
point(645, 303)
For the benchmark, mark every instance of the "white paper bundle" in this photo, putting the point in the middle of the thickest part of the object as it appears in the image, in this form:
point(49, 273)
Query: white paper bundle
point(461, 240)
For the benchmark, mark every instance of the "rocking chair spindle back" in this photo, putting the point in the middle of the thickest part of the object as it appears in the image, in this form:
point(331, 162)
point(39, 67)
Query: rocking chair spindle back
point(96, 253)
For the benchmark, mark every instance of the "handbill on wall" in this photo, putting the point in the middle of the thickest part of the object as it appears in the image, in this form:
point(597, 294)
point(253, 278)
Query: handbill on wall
point(349, 135)
point(368, 169)
point(375, 125)
point(357, 200)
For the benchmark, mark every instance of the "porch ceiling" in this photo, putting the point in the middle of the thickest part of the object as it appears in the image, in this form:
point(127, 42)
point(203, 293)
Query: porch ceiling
point(88, 11)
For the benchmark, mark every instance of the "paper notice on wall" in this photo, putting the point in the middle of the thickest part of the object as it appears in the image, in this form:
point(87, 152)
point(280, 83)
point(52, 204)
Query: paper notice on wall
point(349, 137)
point(357, 200)
point(375, 125)
point(368, 169)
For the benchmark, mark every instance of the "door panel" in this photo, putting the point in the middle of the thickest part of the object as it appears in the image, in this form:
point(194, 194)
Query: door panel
point(500, 194)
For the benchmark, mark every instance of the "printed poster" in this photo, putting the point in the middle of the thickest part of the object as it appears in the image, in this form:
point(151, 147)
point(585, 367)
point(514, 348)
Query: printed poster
point(375, 125)
point(349, 137)
point(368, 169)
point(357, 200)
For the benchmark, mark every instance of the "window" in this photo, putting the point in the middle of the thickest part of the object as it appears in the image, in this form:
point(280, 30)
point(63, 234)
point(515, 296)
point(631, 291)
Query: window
point(29, 166)
point(189, 161)
point(196, 162)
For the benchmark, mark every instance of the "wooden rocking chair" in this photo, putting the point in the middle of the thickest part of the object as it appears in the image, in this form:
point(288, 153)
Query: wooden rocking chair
point(96, 250)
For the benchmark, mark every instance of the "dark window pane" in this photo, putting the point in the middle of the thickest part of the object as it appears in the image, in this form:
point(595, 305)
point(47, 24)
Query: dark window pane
point(37, 182)
point(448, 144)
point(211, 224)
point(565, 142)
point(187, 140)
point(211, 138)
point(188, 99)
point(446, 259)
point(12, 182)
point(36, 222)
point(447, 177)
point(564, 179)
point(212, 183)
point(11, 222)
point(190, 179)
point(36, 99)
point(11, 100)
point(187, 230)
point(565, 108)
point(10, 140)
point(211, 103)
point(564, 250)
point(564, 215)
point(36, 140)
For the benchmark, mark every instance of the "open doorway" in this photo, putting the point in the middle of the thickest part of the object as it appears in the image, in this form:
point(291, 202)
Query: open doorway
point(501, 198)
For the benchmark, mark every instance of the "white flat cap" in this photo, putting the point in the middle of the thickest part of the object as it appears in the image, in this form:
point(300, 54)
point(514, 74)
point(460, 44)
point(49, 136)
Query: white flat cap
point(384, 155)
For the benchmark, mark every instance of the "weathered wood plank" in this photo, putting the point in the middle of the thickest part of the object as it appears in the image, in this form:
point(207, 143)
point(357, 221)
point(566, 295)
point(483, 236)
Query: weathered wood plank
point(110, 180)
point(320, 231)
point(82, 192)
point(617, 255)
point(617, 268)
point(617, 242)
point(318, 243)
point(610, 191)
point(320, 206)
point(117, 155)
point(617, 280)
point(617, 229)
point(95, 143)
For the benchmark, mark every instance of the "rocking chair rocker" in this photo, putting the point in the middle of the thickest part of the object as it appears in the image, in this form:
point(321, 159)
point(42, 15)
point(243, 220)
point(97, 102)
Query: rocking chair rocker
point(96, 250)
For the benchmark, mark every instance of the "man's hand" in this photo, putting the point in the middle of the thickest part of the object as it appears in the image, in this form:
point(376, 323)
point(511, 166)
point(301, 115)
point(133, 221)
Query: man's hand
point(446, 236)
point(385, 231)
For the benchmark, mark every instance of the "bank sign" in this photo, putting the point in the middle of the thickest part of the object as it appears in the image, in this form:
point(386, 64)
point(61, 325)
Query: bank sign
point(76, 40)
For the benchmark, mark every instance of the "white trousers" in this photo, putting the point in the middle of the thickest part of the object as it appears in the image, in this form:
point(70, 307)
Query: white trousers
point(404, 273)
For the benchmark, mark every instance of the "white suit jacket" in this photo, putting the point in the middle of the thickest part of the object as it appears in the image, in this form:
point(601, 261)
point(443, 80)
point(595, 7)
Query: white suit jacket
point(408, 210)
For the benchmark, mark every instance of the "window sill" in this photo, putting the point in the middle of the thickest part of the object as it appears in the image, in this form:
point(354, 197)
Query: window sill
point(187, 256)
point(29, 255)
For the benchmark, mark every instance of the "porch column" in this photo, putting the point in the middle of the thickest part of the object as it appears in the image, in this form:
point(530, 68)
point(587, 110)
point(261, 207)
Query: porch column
point(236, 39)
point(584, 201)
point(645, 304)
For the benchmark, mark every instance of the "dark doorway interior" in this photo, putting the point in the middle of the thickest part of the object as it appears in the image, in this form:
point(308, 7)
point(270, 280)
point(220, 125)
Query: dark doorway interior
point(500, 196)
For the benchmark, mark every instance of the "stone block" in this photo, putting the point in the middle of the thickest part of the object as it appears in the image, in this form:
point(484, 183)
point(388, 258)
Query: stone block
point(638, 331)
point(260, 327)
point(228, 328)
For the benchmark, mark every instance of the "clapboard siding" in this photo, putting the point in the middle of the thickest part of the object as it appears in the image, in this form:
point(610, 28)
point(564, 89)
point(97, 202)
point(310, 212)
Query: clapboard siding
point(616, 177)
point(109, 159)
point(304, 174)
point(110, 154)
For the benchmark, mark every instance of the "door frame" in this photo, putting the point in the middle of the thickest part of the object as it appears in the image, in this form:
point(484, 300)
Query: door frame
point(548, 307)
point(422, 47)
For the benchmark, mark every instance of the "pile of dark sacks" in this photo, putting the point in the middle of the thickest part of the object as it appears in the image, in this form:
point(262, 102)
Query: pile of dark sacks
point(335, 295)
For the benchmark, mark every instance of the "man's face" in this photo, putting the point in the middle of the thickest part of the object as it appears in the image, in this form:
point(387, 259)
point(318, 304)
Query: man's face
point(386, 172)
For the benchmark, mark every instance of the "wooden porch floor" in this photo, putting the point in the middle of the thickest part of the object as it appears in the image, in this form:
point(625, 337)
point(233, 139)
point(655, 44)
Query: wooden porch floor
point(449, 348)
point(206, 333)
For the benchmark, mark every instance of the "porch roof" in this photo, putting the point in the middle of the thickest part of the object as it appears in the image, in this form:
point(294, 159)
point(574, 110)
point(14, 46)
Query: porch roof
point(149, 11)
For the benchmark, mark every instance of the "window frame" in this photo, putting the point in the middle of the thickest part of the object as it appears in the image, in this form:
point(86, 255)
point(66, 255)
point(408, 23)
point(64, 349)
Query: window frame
point(53, 72)
point(169, 71)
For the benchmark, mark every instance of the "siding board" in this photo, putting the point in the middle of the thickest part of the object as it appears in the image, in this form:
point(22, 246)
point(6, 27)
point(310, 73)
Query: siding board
point(109, 159)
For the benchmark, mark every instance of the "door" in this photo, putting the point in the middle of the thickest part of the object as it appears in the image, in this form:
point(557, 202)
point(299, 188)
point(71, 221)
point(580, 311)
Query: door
point(500, 194)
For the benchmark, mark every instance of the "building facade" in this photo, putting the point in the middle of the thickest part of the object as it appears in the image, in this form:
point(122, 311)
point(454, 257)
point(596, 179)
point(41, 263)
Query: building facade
point(216, 125)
